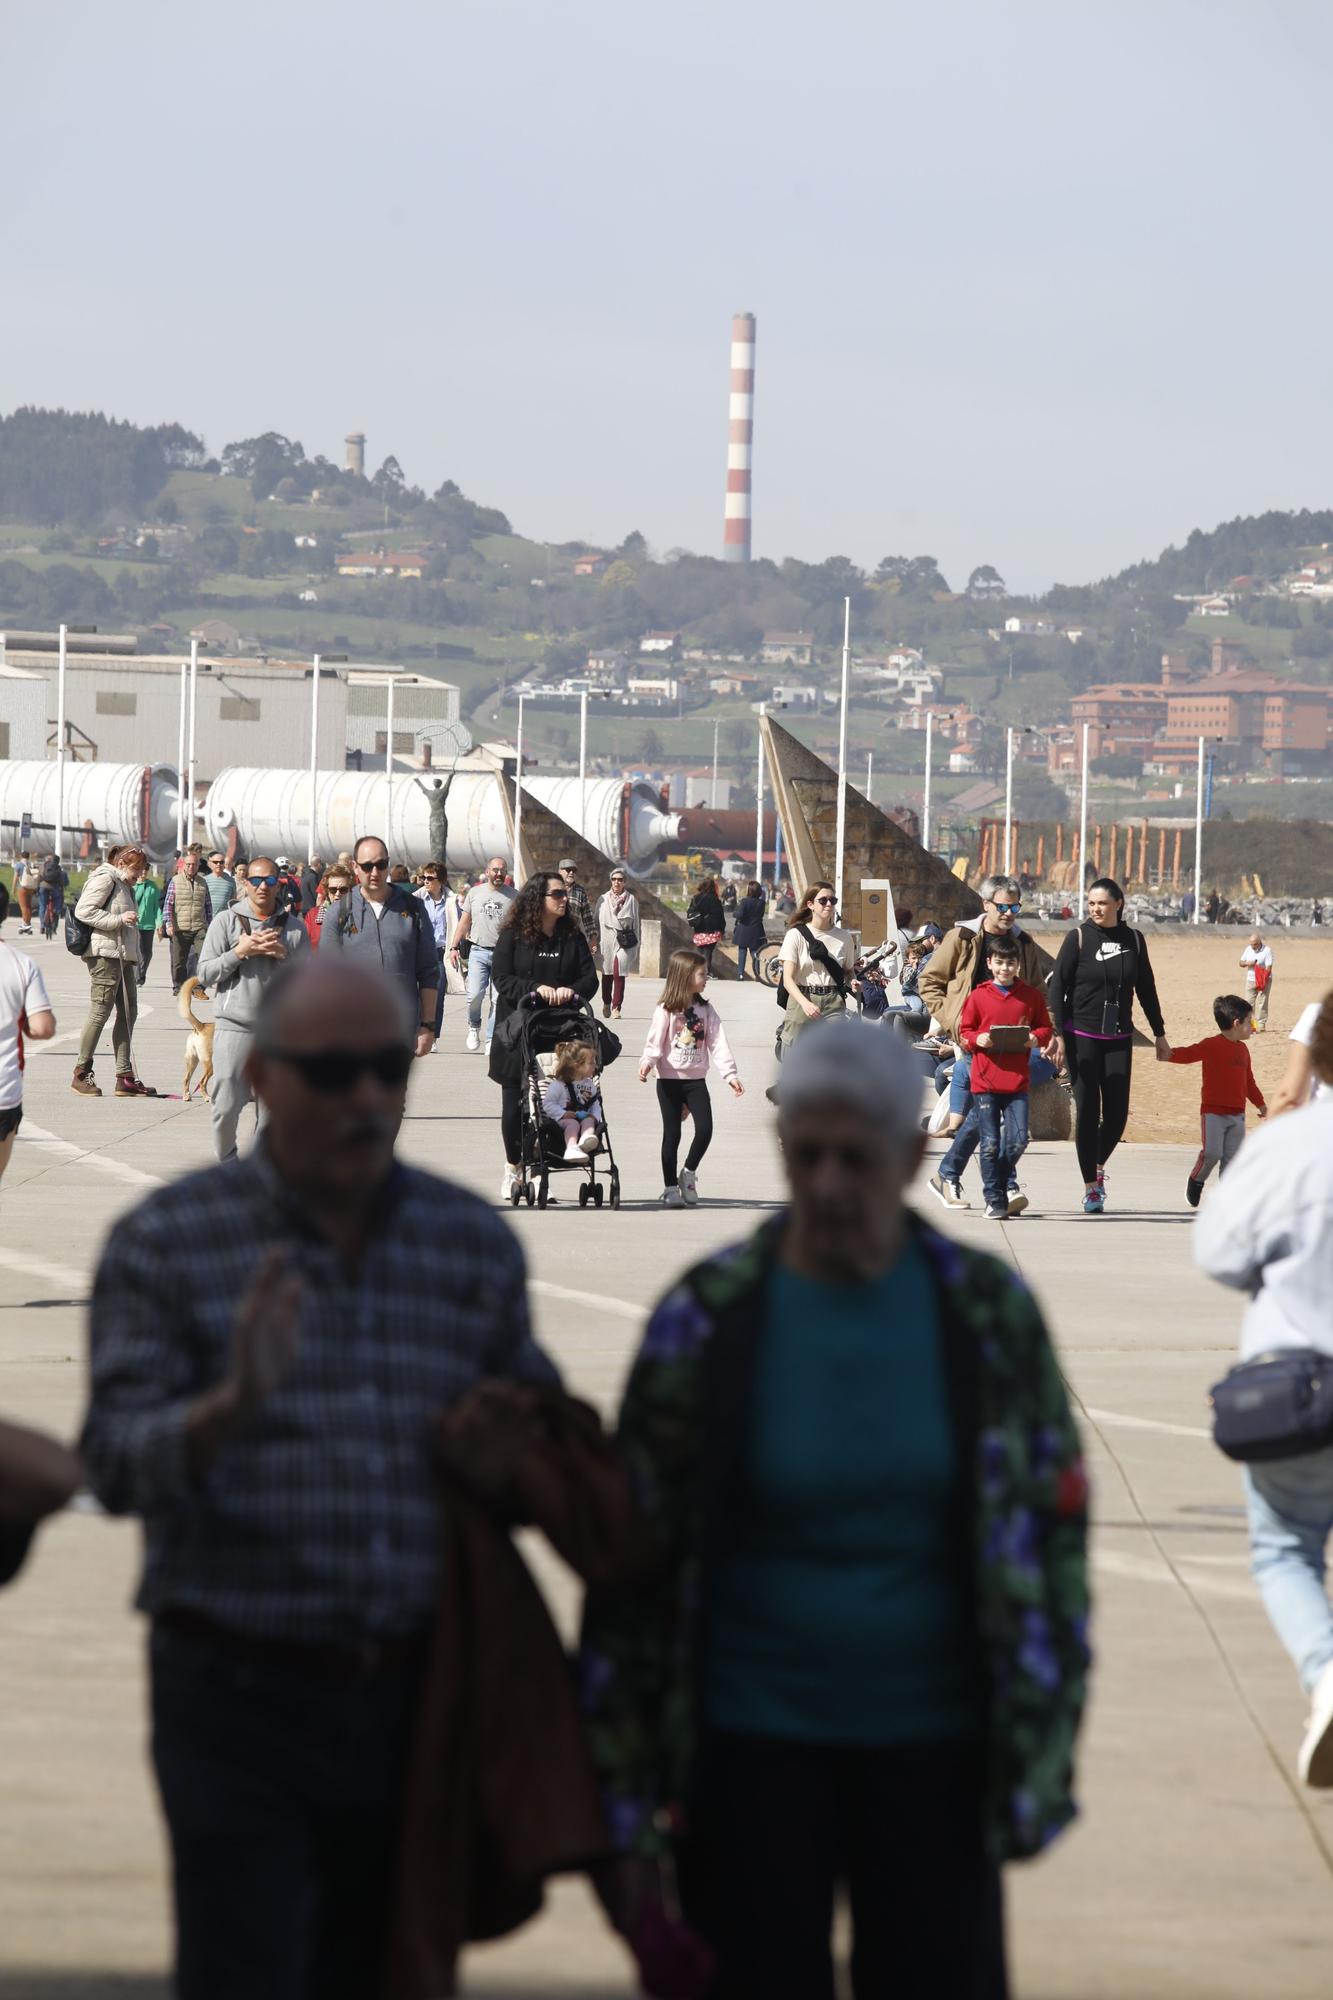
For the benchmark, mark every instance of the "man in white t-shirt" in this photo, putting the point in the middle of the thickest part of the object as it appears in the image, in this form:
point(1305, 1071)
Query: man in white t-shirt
point(25, 1014)
point(1257, 959)
point(485, 907)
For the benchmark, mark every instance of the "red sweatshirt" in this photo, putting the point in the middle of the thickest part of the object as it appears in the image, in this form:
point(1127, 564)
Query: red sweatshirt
point(987, 1006)
point(1228, 1078)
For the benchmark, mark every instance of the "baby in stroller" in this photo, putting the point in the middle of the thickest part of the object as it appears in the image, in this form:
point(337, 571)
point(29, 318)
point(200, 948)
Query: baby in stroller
point(571, 1099)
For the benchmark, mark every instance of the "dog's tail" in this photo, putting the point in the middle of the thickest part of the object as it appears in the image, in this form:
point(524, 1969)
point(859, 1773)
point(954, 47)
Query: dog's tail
point(187, 993)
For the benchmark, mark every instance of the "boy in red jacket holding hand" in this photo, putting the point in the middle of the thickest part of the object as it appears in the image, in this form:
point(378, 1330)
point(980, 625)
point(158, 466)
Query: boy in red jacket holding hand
point(1228, 1079)
point(999, 1023)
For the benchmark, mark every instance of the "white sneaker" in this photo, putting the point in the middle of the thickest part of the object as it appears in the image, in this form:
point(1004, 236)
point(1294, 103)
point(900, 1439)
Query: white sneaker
point(508, 1184)
point(590, 1140)
point(689, 1187)
point(573, 1155)
point(672, 1198)
point(473, 1041)
point(1315, 1763)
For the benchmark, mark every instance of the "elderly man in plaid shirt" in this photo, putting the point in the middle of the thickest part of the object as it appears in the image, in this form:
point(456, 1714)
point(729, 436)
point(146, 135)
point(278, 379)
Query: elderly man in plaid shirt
point(270, 1339)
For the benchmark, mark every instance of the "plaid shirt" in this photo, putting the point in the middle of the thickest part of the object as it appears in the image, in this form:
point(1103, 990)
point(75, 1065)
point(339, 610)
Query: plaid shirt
point(318, 1522)
point(581, 911)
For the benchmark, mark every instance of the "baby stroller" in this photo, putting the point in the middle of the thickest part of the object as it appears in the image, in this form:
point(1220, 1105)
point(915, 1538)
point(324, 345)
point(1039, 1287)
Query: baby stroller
point(541, 1142)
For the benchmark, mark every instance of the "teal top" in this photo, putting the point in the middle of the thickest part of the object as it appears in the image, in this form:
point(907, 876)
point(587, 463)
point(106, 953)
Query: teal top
point(840, 1611)
point(148, 902)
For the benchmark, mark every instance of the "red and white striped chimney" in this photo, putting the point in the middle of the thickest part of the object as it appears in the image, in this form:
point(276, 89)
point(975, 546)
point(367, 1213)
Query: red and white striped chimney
point(736, 530)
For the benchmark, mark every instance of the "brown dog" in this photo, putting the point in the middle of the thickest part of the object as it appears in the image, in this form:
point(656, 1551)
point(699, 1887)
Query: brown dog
point(198, 1042)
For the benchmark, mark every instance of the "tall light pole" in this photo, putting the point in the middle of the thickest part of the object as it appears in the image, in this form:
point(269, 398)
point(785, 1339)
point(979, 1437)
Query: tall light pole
point(180, 756)
point(716, 727)
point(759, 803)
point(190, 751)
point(60, 735)
point(1083, 832)
point(1009, 735)
point(870, 775)
point(1198, 842)
point(320, 660)
point(842, 755)
point(518, 800)
point(583, 754)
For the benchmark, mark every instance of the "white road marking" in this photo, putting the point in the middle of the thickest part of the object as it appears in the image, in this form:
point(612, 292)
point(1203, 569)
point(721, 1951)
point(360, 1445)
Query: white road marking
point(617, 1308)
point(61, 1149)
point(1116, 1421)
point(53, 1274)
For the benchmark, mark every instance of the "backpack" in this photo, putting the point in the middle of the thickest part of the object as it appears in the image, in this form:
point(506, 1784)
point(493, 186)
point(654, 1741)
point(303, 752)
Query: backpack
point(78, 935)
point(52, 872)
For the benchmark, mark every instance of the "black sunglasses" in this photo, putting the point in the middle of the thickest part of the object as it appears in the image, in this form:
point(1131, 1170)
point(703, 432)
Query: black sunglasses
point(557, 895)
point(263, 881)
point(370, 867)
point(332, 1070)
point(825, 899)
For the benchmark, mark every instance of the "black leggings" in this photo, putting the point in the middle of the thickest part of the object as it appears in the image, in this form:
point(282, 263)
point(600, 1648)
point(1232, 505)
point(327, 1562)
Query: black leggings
point(1100, 1071)
point(511, 1122)
point(674, 1100)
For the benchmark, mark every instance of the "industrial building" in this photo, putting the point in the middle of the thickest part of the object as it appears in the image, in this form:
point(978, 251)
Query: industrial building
point(123, 706)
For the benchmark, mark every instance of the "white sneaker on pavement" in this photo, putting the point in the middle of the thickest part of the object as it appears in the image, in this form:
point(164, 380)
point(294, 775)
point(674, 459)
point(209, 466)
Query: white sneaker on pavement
point(473, 1041)
point(689, 1187)
point(508, 1184)
point(672, 1198)
point(1315, 1763)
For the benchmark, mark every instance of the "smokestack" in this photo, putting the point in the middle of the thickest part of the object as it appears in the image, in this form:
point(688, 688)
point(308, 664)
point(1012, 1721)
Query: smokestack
point(736, 530)
point(356, 452)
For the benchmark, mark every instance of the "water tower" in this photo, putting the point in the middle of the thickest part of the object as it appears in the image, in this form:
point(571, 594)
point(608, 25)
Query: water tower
point(356, 452)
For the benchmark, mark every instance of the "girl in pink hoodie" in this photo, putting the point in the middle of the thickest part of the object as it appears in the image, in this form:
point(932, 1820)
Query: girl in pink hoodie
point(683, 1035)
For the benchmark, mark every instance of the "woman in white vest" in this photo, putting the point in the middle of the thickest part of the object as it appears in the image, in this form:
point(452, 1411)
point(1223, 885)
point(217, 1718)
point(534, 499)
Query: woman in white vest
point(618, 922)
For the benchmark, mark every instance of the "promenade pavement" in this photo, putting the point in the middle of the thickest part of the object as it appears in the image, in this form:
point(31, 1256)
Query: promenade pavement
point(1198, 1868)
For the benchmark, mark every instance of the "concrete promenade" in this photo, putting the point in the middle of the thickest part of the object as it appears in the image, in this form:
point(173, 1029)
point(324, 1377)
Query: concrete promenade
point(1198, 1867)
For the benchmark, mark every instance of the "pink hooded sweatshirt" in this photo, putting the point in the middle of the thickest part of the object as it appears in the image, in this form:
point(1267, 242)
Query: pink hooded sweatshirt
point(678, 1054)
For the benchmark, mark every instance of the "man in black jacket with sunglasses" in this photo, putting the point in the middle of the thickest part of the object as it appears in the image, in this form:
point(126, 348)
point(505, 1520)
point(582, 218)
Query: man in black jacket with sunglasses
point(270, 1342)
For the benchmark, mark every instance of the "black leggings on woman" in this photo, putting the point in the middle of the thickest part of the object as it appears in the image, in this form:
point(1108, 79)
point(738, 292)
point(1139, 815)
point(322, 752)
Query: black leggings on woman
point(1100, 1071)
point(511, 1121)
point(674, 1100)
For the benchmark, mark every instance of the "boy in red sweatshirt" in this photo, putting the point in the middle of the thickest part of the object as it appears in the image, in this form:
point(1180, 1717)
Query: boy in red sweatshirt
point(1228, 1080)
point(1000, 1076)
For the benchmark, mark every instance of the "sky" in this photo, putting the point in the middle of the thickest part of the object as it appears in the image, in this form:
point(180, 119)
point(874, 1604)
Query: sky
point(1037, 285)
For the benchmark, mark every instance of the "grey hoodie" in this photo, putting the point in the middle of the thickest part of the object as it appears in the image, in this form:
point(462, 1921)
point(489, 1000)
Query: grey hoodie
point(237, 983)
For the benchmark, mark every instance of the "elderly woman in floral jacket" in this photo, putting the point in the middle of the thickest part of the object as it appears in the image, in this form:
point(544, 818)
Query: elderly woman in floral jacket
point(862, 1653)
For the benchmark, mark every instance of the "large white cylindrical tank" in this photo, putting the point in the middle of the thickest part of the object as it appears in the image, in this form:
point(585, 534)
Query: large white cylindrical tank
point(270, 812)
point(122, 802)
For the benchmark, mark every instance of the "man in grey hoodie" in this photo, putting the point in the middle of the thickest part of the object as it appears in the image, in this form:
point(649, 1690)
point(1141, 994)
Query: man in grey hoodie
point(244, 947)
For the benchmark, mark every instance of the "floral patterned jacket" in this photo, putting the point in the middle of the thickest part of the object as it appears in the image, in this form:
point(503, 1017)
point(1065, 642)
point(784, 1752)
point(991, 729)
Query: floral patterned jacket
point(1024, 1494)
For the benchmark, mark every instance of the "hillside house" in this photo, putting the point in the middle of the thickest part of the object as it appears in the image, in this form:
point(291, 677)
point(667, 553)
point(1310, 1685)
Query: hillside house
point(788, 649)
point(381, 562)
point(592, 563)
point(658, 642)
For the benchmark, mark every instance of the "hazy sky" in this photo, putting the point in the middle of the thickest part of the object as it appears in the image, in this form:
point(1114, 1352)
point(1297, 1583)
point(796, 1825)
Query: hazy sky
point(1043, 285)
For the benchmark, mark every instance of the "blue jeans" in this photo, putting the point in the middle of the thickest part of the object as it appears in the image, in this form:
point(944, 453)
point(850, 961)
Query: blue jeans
point(1291, 1517)
point(741, 951)
point(283, 1798)
point(46, 895)
point(440, 964)
point(1002, 1125)
point(478, 984)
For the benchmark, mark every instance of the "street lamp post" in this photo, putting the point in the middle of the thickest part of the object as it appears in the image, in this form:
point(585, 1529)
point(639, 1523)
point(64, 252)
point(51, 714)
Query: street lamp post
point(840, 856)
point(716, 727)
point(190, 752)
point(870, 774)
point(1198, 841)
point(518, 800)
point(583, 759)
point(65, 630)
point(1009, 736)
point(320, 660)
point(180, 756)
point(759, 803)
point(1083, 832)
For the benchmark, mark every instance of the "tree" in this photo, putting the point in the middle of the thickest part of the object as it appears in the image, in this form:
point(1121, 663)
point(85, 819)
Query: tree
point(650, 747)
point(389, 481)
point(634, 548)
point(985, 581)
point(167, 511)
point(620, 576)
point(1118, 764)
point(1037, 796)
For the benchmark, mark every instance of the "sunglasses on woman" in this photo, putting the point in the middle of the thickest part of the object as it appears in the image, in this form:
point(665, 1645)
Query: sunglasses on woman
point(557, 895)
point(825, 902)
